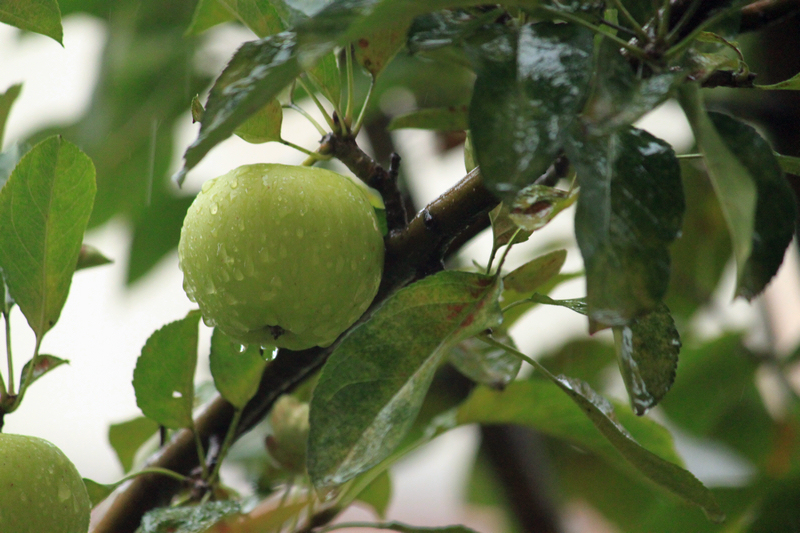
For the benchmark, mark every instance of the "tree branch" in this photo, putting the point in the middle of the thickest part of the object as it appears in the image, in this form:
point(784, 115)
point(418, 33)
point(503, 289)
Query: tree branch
point(409, 251)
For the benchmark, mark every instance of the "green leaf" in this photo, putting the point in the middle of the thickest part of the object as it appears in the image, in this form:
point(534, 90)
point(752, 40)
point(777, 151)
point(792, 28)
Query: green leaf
point(263, 126)
point(9, 159)
point(776, 206)
point(403, 528)
point(156, 232)
point(453, 118)
point(6, 101)
point(530, 86)
point(256, 521)
point(127, 437)
point(733, 183)
point(536, 205)
point(590, 422)
point(792, 84)
point(630, 209)
point(44, 210)
point(208, 14)
point(255, 75)
point(535, 273)
point(503, 228)
point(444, 28)
point(90, 256)
point(188, 519)
point(486, 364)
point(44, 364)
point(40, 16)
point(164, 373)
point(789, 164)
point(326, 76)
point(647, 352)
point(575, 304)
point(260, 16)
point(98, 491)
point(372, 387)
point(378, 494)
point(376, 48)
point(620, 93)
point(236, 371)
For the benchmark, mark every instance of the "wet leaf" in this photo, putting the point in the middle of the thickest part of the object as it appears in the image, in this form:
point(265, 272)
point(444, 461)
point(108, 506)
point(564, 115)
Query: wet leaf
point(776, 206)
point(630, 209)
point(6, 101)
point(792, 84)
point(164, 375)
point(44, 364)
point(127, 437)
point(265, 517)
point(535, 273)
point(453, 118)
point(444, 28)
point(733, 183)
point(236, 369)
point(90, 256)
point(536, 205)
point(486, 364)
point(375, 49)
point(373, 385)
point(590, 422)
point(188, 519)
point(530, 85)
point(575, 304)
point(263, 126)
point(647, 353)
point(40, 16)
point(98, 491)
point(44, 210)
point(258, 71)
point(620, 94)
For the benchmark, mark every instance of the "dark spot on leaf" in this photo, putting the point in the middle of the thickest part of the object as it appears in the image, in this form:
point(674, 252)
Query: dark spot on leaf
point(363, 43)
point(535, 208)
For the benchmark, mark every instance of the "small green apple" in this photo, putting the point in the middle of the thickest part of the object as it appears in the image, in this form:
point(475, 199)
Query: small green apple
point(287, 442)
point(40, 489)
point(281, 255)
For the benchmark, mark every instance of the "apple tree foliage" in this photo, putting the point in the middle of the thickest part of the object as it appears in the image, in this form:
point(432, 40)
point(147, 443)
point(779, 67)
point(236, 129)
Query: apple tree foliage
point(548, 92)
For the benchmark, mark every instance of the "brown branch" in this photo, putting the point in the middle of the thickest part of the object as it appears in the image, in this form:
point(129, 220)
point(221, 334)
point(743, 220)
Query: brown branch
point(408, 252)
point(765, 12)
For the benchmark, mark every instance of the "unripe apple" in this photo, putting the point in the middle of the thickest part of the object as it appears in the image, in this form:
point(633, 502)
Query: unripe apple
point(287, 441)
point(40, 489)
point(281, 255)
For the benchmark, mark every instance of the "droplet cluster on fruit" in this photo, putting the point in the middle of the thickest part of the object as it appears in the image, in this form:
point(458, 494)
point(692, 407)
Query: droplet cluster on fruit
point(40, 489)
point(281, 255)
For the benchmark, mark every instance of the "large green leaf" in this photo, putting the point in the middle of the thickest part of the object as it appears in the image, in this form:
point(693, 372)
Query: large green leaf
point(375, 49)
point(630, 209)
point(164, 375)
point(447, 27)
point(776, 206)
point(40, 16)
point(236, 369)
point(486, 364)
point(258, 71)
point(452, 118)
point(647, 352)
point(589, 421)
point(44, 209)
point(44, 364)
point(734, 184)
point(127, 437)
point(373, 385)
point(535, 273)
point(621, 93)
point(260, 16)
point(188, 519)
point(6, 101)
point(208, 14)
point(531, 84)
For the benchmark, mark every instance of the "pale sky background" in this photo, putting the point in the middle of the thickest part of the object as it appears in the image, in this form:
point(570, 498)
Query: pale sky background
point(104, 325)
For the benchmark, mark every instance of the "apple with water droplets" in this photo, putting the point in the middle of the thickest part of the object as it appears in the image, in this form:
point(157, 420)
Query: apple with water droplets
point(281, 255)
point(40, 489)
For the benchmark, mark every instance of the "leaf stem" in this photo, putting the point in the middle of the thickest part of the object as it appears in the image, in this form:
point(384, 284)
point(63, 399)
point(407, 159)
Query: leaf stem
point(360, 119)
point(513, 351)
point(305, 113)
point(7, 320)
point(663, 19)
point(201, 454)
point(319, 105)
point(569, 17)
point(237, 415)
point(632, 21)
point(689, 156)
point(154, 470)
point(25, 380)
point(687, 41)
point(299, 148)
point(505, 252)
point(348, 113)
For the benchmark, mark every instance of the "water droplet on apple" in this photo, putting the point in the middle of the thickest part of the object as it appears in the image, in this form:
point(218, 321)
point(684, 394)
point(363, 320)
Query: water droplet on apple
point(237, 274)
point(249, 267)
point(63, 491)
point(210, 322)
point(214, 208)
point(234, 183)
point(207, 185)
point(242, 348)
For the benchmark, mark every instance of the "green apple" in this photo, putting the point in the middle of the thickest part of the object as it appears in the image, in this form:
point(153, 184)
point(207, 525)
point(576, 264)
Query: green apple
point(281, 255)
point(40, 489)
point(287, 441)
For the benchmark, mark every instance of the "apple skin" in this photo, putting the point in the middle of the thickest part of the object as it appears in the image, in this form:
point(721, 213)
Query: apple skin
point(281, 255)
point(40, 489)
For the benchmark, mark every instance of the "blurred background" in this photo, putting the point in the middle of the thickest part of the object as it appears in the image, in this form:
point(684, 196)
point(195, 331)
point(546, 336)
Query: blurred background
point(121, 87)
